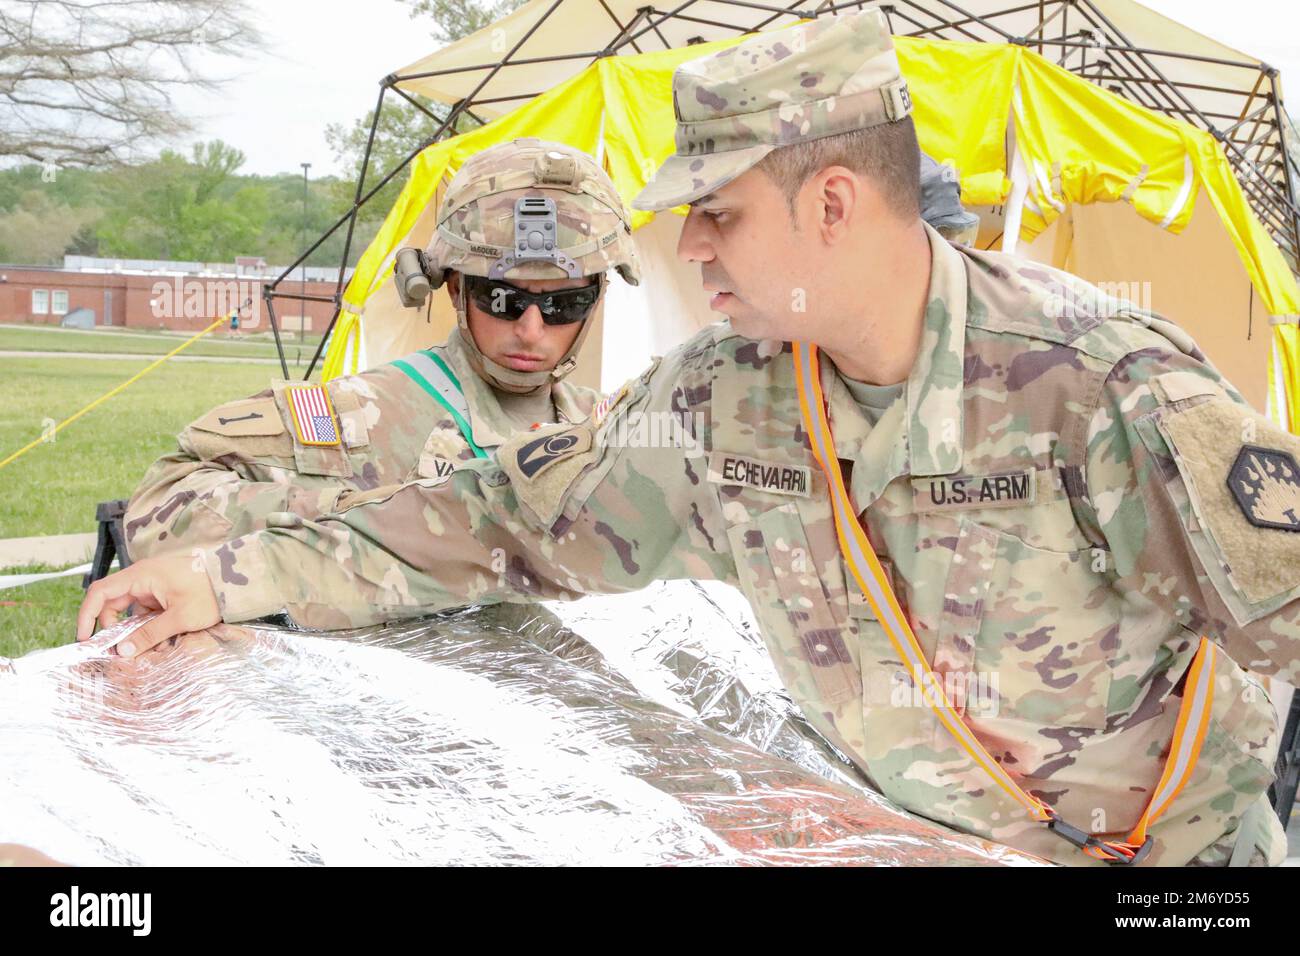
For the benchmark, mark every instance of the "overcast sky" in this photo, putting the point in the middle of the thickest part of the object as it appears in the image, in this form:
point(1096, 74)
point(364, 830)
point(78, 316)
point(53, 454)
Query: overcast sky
point(327, 57)
point(323, 65)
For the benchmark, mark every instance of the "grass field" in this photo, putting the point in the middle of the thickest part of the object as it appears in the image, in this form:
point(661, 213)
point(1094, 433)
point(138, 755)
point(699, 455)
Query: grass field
point(42, 339)
point(43, 614)
point(53, 489)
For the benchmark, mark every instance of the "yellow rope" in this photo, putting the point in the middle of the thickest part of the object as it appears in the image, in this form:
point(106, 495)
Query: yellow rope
point(105, 397)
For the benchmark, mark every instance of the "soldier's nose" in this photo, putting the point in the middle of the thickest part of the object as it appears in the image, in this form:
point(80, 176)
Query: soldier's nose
point(691, 244)
point(530, 328)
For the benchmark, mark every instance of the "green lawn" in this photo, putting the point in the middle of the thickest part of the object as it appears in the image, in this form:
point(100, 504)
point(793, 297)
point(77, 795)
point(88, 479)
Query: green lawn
point(43, 614)
point(42, 339)
point(54, 487)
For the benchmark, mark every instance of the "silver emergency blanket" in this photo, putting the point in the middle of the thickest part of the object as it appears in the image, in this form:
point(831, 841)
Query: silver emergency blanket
point(647, 728)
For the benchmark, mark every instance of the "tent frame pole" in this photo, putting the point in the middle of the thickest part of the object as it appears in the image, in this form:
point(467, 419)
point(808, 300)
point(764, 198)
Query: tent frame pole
point(622, 28)
point(1120, 66)
point(272, 289)
point(352, 221)
point(1287, 196)
point(1281, 135)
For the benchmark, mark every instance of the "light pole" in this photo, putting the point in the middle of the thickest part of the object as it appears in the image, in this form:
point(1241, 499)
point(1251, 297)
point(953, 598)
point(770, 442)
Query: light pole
point(302, 325)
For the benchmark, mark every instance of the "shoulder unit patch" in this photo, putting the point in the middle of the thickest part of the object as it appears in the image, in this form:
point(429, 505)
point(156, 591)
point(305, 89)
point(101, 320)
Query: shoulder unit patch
point(536, 456)
point(543, 467)
point(1265, 483)
point(249, 417)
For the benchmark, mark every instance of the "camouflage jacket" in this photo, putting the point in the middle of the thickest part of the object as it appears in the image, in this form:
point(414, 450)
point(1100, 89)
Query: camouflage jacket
point(241, 466)
point(1046, 495)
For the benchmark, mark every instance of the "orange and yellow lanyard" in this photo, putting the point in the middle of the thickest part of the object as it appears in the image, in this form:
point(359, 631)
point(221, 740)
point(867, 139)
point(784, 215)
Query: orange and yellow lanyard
point(1193, 714)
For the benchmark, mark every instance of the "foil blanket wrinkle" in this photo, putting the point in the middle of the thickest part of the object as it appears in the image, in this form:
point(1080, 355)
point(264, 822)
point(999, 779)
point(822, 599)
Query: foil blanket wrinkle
point(644, 728)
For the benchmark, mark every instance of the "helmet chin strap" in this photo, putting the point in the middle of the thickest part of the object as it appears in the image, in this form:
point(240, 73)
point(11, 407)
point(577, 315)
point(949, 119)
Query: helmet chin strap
point(508, 379)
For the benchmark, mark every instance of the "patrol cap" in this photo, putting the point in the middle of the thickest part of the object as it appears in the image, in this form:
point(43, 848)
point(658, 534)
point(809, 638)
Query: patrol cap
point(821, 78)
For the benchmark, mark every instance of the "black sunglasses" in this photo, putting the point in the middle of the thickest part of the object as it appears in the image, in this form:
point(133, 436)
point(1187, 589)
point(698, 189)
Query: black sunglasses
point(505, 301)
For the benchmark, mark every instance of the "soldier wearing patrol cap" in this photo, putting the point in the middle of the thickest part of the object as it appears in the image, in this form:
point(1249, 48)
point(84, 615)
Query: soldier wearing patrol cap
point(300, 449)
point(1012, 544)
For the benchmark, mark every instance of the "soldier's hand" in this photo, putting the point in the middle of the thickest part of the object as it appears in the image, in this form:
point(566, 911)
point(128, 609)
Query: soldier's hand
point(171, 585)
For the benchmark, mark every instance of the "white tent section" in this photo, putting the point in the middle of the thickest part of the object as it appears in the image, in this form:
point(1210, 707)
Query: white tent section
point(667, 308)
point(575, 29)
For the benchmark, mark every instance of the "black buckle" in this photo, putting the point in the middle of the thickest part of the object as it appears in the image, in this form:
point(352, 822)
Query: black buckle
point(1083, 840)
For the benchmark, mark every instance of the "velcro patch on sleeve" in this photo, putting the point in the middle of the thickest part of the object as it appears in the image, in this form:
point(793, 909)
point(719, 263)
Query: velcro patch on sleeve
point(1181, 385)
point(960, 492)
point(352, 419)
point(252, 416)
point(779, 478)
point(539, 454)
point(544, 464)
point(319, 450)
point(1246, 496)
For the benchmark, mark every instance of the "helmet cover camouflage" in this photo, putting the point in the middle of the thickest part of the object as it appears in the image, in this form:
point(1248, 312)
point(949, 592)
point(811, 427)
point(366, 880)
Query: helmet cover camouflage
point(477, 223)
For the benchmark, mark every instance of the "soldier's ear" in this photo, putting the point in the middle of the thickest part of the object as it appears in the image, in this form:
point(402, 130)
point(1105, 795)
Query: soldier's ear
point(838, 199)
point(453, 285)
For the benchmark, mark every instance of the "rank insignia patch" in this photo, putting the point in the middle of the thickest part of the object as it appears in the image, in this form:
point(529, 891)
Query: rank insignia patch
point(313, 415)
point(1265, 483)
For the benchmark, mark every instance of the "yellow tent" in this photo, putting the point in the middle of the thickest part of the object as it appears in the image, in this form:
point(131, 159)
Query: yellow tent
point(1056, 166)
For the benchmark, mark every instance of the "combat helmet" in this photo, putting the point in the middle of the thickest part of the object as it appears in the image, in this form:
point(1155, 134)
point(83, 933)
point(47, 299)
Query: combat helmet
point(525, 210)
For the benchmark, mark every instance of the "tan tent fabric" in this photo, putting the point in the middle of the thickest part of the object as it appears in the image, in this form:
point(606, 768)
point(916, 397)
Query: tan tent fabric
point(1193, 278)
point(586, 26)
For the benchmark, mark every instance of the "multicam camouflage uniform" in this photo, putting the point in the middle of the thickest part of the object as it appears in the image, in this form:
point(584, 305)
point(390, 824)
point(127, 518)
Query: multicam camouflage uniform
point(1050, 496)
point(244, 465)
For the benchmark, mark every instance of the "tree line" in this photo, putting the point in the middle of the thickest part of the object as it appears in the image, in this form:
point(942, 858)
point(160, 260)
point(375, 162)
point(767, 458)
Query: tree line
point(194, 207)
point(87, 119)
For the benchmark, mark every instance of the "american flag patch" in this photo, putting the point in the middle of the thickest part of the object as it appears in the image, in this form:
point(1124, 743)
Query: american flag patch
point(606, 404)
point(313, 415)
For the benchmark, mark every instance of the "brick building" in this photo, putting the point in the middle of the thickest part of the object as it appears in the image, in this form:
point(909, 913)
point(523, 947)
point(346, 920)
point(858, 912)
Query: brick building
point(153, 295)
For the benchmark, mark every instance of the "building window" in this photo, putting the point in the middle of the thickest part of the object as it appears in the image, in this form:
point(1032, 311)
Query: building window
point(59, 302)
point(40, 302)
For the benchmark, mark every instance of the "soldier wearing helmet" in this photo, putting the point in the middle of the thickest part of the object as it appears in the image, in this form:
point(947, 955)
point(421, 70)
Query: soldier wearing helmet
point(525, 233)
point(529, 212)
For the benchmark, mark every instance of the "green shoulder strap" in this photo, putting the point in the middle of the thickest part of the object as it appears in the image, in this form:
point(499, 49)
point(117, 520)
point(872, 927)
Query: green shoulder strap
point(431, 373)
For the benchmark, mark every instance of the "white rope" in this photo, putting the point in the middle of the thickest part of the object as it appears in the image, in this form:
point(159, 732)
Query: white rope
point(20, 580)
